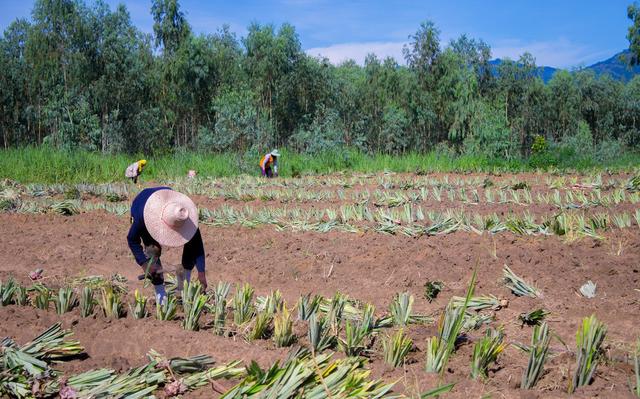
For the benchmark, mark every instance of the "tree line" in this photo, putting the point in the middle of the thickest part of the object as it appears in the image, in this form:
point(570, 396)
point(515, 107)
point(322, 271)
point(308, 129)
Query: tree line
point(83, 76)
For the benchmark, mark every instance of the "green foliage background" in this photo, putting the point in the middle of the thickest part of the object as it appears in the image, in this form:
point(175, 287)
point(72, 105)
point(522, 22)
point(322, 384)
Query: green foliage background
point(83, 77)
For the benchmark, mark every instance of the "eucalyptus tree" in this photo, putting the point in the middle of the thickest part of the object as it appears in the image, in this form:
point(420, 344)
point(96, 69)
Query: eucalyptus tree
point(630, 104)
point(170, 25)
point(120, 88)
point(60, 53)
point(15, 118)
point(422, 51)
point(633, 33)
point(270, 57)
point(563, 105)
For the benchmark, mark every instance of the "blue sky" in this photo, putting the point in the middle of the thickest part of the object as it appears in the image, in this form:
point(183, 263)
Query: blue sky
point(560, 33)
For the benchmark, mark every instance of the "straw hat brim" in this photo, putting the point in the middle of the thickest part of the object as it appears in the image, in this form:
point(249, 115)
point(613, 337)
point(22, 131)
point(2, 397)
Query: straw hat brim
point(165, 235)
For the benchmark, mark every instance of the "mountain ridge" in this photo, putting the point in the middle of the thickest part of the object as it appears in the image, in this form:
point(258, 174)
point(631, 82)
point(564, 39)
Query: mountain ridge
point(615, 66)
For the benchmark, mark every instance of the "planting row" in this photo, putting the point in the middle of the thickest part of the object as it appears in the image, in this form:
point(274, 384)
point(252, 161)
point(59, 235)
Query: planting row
point(389, 181)
point(414, 221)
point(517, 194)
point(572, 199)
point(408, 220)
point(26, 371)
point(340, 323)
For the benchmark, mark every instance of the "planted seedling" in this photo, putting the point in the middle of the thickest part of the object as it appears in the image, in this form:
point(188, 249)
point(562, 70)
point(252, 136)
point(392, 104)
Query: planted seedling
point(336, 309)
point(139, 308)
point(167, 310)
point(356, 332)
point(474, 320)
point(401, 310)
point(518, 286)
point(194, 303)
point(522, 185)
point(111, 303)
point(243, 309)
point(66, 300)
point(71, 193)
point(42, 296)
point(478, 302)
point(22, 296)
point(440, 348)
point(395, 348)
point(319, 333)
point(115, 197)
point(537, 356)
point(486, 352)
point(87, 302)
point(589, 339)
point(283, 328)
point(219, 309)
point(66, 207)
point(273, 302)
point(308, 306)
point(7, 291)
point(534, 317)
point(432, 289)
point(260, 327)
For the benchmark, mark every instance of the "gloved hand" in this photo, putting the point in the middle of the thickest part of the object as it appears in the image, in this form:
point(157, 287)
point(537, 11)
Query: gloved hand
point(202, 277)
point(156, 268)
point(150, 271)
point(264, 173)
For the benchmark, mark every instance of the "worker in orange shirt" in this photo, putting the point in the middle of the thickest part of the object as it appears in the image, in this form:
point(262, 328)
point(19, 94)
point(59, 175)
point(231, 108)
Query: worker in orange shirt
point(269, 164)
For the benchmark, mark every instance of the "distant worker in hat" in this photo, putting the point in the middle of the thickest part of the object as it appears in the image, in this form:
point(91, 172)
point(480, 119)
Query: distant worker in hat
point(162, 217)
point(135, 169)
point(269, 164)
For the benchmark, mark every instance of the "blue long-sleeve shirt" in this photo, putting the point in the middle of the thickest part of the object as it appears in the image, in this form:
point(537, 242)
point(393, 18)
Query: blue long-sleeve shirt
point(193, 251)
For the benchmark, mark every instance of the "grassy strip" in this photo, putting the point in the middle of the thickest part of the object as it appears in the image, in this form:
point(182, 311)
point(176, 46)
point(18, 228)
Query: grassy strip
point(46, 165)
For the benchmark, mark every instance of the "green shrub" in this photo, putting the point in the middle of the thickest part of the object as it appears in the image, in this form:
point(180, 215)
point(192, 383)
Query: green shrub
point(325, 133)
point(539, 145)
point(491, 137)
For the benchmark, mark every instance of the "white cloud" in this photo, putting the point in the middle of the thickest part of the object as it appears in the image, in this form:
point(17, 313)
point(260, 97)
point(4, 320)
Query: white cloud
point(358, 51)
point(560, 53)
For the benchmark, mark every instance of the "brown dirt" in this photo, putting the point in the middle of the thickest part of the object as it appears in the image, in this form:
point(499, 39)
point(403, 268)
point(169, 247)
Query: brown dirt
point(370, 267)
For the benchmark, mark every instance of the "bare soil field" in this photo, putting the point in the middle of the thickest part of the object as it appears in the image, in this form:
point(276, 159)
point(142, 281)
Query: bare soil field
point(369, 266)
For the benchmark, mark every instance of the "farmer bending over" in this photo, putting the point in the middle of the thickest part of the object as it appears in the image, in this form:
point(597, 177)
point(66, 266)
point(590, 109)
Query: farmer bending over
point(161, 217)
point(269, 164)
point(135, 169)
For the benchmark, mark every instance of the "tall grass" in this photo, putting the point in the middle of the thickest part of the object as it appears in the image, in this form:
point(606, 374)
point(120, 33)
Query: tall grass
point(47, 165)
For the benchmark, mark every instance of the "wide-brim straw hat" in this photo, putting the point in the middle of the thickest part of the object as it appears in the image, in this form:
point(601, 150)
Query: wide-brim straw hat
point(275, 153)
point(171, 218)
